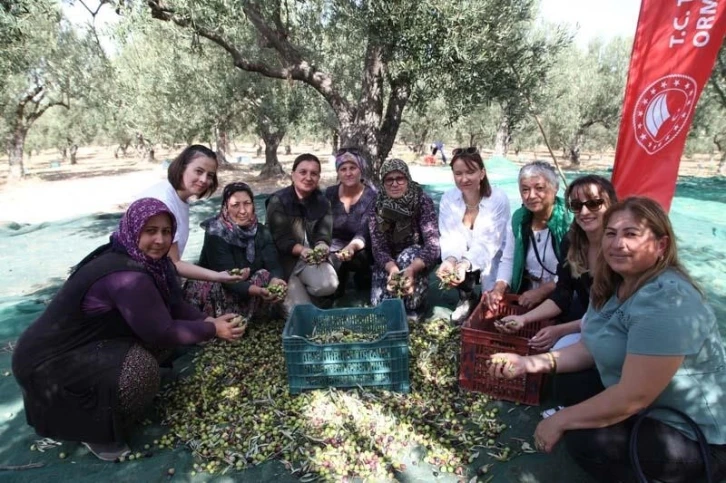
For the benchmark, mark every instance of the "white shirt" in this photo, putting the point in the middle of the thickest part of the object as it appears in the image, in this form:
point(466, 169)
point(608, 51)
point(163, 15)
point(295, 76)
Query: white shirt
point(483, 244)
point(165, 192)
point(532, 266)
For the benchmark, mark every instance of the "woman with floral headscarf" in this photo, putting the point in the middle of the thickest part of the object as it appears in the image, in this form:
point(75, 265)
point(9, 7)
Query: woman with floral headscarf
point(234, 239)
point(84, 365)
point(404, 238)
point(351, 201)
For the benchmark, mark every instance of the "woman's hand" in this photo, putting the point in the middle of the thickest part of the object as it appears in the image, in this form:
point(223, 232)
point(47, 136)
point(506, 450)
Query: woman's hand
point(408, 281)
point(461, 268)
point(548, 433)
point(322, 246)
point(226, 330)
point(346, 253)
point(305, 253)
point(225, 277)
point(545, 338)
point(494, 297)
point(510, 324)
point(506, 365)
point(447, 267)
point(278, 282)
point(261, 292)
point(531, 298)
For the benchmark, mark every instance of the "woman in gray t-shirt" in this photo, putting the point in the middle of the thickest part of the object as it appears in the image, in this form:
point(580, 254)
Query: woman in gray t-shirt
point(654, 342)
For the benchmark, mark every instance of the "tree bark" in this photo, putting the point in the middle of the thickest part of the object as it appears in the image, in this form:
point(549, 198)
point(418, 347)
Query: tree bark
point(222, 145)
point(74, 153)
point(272, 139)
point(15, 152)
point(503, 137)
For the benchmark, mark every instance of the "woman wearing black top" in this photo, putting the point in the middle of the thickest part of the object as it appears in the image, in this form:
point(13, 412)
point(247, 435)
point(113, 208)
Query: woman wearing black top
point(588, 197)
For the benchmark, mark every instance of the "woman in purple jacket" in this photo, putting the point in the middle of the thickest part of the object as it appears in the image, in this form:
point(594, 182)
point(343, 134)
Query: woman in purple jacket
point(88, 365)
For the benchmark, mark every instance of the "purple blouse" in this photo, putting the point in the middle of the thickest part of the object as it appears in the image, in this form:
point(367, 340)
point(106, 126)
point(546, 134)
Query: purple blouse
point(427, 236)
point(136, 297)
point(353, 224)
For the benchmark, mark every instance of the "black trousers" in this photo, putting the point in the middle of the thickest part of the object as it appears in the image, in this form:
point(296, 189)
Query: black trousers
point(361, 267)
point(665, 454)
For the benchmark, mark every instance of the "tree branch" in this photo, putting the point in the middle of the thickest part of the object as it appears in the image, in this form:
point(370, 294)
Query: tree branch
point(397, 100)
point(300, 70)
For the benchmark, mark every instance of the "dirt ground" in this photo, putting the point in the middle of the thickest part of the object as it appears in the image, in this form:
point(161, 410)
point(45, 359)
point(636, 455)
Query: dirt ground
point(102, 183)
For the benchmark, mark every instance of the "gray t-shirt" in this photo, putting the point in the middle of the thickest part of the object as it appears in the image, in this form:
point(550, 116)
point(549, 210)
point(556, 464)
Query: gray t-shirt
point(666, 317)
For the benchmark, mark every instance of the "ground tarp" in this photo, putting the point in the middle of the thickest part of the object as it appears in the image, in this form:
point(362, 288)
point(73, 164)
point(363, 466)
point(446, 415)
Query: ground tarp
point(34, 260)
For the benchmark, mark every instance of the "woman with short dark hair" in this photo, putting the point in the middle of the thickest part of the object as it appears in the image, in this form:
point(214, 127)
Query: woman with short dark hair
point(301, 223)
point(192, 175)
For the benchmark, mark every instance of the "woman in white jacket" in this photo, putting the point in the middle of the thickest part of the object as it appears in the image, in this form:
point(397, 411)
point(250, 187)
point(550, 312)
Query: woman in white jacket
point(473, 220)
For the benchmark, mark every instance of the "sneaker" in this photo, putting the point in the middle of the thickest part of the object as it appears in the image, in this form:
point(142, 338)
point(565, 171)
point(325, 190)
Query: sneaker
point(108, 451)
point(463, 310)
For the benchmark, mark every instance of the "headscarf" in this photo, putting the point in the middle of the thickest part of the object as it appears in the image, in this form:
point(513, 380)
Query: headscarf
point(396, 216)
point(224, 227)
point(126, 240)
point(350, 157)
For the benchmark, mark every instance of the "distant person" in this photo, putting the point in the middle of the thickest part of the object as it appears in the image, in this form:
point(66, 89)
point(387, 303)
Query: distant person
point(192, 174)
point(404, 239)
point(649, 342)
point(534, 236)
point(438, 147)
point(351, 202)
point(301, 221)
point(473, 220)
point(234, 239)
point(89, 365)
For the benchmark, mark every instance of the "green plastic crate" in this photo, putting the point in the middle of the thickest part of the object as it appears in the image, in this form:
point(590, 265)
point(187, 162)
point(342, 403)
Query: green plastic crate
point(381, 364)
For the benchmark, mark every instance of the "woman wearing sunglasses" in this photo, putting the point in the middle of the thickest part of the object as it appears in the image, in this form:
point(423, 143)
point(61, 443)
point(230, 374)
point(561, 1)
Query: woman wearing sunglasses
point(473, 221)
point(588, 197)
point(351, 201)
point(532, 249)
point(404, 239)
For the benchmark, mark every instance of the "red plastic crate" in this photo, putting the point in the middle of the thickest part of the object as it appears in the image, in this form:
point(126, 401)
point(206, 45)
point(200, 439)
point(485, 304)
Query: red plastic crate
point(480, 340)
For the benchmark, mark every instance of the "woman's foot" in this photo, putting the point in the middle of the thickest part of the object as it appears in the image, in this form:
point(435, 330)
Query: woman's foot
point(108, 451)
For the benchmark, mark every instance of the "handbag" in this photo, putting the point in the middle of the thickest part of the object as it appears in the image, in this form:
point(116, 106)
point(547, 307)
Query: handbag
point(702, 443)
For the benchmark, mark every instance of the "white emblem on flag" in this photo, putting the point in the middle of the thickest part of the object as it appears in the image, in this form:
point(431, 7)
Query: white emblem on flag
point(663, 109)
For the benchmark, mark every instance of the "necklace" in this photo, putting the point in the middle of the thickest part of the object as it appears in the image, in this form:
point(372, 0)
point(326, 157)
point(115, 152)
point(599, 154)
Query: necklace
point(472, 206)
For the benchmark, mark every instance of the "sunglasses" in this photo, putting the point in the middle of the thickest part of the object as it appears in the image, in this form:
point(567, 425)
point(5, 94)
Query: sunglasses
point(395, 180)
point(469, 150)
point(575, 206)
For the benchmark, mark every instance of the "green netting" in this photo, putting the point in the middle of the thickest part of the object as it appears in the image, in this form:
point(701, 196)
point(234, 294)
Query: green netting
point(35, 260)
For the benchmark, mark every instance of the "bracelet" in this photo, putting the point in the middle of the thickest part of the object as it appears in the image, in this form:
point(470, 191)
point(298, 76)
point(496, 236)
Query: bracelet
point(553, 362)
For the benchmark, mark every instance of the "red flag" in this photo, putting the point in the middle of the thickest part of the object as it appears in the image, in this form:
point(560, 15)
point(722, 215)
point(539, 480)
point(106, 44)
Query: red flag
point(675, 47)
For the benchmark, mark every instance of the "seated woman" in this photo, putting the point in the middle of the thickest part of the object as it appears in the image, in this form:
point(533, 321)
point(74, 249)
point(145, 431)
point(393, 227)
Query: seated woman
point(351, 201)
point(234, 239)
point(84, 365)
point(473, 219)
point(532, 248)
point(404, 239)
point(301, 221)
point(648, 339)
point(192, 174)
point(588, 197)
